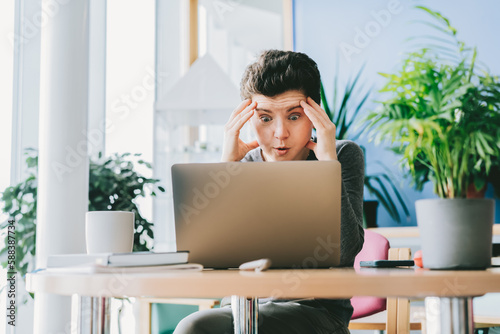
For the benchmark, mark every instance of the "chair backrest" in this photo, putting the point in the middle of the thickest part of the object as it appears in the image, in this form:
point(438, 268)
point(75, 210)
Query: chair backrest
point(375, 247)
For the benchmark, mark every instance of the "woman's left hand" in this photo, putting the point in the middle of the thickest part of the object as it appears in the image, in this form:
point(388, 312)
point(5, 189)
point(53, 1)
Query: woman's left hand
point(325, 148)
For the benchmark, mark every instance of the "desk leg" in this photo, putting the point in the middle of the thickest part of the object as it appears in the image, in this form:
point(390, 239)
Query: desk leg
point(245, 315)
point(90, 315)
point(449, 315)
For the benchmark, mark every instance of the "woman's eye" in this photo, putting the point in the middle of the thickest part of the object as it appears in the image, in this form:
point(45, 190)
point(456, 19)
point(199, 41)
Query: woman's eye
point(265, 119)
point(294, 117)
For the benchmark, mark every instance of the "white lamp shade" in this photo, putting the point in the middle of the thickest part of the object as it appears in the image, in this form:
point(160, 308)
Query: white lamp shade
point(205, 94)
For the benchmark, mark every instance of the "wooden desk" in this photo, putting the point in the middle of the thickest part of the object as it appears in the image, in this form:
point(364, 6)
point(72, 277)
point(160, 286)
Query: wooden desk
point(453, 287)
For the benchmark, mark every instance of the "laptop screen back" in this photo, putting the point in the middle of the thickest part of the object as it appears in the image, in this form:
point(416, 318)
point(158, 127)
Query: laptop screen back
point(230, 213)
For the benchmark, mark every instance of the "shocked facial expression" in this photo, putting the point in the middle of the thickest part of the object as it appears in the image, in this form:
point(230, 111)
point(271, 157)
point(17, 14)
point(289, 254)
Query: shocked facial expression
point(281, 126)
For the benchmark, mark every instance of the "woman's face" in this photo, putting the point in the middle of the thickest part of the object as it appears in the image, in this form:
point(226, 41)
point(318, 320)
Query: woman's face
point(281, 126)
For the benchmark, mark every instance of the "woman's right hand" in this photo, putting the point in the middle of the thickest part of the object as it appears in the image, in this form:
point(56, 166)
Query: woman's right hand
point(235, 149)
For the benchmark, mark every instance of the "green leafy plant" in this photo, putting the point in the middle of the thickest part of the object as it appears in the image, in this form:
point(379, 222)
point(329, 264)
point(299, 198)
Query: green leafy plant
point(20, 204)
point(344, 111)
point(442, 115)
point(114, 184)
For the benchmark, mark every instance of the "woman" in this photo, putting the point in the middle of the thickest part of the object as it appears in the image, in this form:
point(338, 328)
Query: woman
point(281, 93)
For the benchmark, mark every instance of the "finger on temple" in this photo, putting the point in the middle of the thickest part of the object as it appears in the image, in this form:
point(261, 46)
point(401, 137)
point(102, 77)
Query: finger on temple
point(241, 107)
point(240, 121)
point(245, 113)
point(310, 112)
point(311, 101)
point(319, 114)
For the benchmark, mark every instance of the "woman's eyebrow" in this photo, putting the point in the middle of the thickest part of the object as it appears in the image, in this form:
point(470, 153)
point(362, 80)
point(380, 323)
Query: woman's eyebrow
point(270, 112)
point(291, 108)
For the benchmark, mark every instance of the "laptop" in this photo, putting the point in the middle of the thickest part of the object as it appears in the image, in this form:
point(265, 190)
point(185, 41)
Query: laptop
point(233, 212)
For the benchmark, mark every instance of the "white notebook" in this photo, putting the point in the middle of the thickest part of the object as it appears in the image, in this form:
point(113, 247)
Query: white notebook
point(119, 259)
point(93, 268)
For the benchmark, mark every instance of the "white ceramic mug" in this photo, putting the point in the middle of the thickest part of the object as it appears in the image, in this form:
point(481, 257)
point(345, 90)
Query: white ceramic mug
point(109, 231)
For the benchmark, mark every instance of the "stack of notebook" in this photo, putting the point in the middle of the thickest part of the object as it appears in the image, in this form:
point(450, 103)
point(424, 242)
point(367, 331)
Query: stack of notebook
point(135, 262)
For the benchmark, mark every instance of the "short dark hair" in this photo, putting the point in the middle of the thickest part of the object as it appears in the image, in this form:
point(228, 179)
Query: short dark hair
point(276, 71)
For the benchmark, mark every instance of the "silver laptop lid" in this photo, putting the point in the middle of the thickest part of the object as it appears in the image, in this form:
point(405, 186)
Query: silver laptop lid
point(230, 213)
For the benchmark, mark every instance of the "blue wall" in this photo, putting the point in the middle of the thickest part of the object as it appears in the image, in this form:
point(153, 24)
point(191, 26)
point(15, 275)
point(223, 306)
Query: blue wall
point(331, 30)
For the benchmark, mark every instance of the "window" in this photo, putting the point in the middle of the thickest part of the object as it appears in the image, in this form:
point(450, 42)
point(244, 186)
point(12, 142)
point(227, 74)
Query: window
point(6, 79)
point(130, 82)
point(190, 30)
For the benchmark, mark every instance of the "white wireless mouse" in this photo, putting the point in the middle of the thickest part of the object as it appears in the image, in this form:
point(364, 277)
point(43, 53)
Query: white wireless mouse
point(257, 265)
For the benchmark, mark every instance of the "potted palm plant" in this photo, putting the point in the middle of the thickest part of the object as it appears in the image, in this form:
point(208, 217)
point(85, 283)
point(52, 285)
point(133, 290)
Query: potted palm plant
point(344, 112)
point(442, 114)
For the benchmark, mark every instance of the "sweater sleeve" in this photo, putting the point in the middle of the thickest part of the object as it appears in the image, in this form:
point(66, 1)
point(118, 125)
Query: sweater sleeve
point(351, 159)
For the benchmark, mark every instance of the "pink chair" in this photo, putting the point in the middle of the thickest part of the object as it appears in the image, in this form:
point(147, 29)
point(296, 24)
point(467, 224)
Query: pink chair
point(375, 247)
point(369, 311)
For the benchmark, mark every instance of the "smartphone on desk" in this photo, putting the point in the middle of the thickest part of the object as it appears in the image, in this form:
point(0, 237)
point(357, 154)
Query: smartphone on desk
point(387, 263)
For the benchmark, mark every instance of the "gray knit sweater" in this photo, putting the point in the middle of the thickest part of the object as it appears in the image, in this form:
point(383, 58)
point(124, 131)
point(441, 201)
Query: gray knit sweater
point(351, 159)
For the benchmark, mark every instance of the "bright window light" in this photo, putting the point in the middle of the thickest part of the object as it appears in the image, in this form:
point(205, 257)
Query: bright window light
point(130, 81)
point(6, 80)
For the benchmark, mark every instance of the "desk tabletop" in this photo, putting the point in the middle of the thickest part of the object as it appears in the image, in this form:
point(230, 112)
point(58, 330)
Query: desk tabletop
point(319, 283)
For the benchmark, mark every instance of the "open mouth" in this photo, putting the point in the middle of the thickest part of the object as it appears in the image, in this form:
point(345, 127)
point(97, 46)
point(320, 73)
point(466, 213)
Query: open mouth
point(282, 150)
